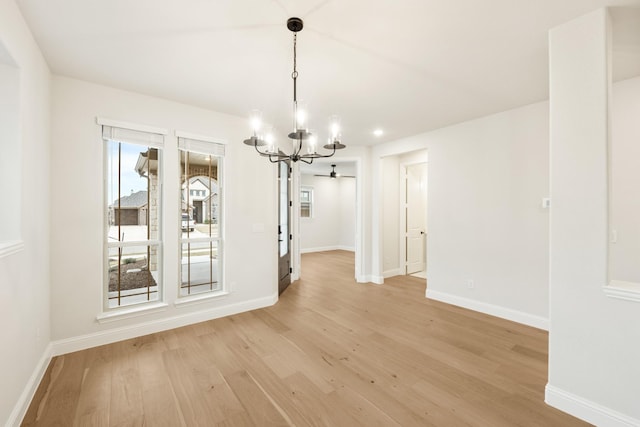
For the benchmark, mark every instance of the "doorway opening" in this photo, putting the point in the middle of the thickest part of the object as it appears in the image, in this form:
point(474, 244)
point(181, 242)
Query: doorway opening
point(414, 226)
point(403, 213)
point(327, 210)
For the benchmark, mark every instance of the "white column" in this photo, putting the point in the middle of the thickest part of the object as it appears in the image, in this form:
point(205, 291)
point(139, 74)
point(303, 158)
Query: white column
point(594, 340)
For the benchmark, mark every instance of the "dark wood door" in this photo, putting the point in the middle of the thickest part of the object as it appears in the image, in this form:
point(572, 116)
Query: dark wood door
point(284, 226)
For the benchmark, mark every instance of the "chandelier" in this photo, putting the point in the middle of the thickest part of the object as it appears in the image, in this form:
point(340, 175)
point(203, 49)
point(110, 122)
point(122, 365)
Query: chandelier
point(304, 142)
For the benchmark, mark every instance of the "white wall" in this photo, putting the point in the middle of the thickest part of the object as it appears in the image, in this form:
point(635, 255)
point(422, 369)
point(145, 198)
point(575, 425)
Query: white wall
point(413, 157)
point(347, 213)
point(332, 225)
point(77, 212)
point(487, 178)
point(390, 216)
point(10, 152)
point(625, 181)
point(24, 273)
point(594, 340)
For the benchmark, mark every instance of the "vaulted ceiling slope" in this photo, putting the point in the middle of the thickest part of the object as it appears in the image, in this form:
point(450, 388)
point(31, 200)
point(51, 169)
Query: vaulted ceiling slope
point(407, 66)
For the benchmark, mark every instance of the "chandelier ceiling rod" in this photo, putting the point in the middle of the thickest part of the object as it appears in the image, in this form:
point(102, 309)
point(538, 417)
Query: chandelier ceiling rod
point(300, 133)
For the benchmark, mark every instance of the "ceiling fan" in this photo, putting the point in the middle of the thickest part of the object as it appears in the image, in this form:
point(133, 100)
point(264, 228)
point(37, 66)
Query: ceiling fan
point(333, 174)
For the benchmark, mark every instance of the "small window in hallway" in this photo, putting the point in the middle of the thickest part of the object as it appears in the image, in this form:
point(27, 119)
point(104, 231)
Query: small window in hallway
point(306, 202)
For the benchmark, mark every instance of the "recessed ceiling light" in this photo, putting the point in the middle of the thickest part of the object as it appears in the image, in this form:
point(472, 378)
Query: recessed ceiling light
point(378, 132)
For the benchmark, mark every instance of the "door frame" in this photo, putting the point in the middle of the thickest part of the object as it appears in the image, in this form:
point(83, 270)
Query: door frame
point(289, 277)
point(295, 219)
point(402, 252)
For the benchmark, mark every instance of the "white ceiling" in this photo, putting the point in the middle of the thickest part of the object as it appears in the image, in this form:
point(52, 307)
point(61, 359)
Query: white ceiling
point(406, 66)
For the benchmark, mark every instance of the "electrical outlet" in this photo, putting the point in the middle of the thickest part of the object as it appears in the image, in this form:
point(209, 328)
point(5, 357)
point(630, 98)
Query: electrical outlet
point(470, 284)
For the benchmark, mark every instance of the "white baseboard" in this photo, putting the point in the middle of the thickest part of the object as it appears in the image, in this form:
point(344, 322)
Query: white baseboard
point(108, 336)
point(21, 407)
point(586, 410)
point(378, 280)
point(494, 310)
point(391, 273)
point(327, 248)
point(368, 278)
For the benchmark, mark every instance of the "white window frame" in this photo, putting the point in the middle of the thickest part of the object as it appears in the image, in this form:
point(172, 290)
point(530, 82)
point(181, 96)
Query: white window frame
point(310, 202)
point(149, 137)
point(210, 147)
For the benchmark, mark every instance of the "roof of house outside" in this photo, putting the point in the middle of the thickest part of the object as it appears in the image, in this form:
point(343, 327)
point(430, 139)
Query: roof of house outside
point(204, 181)
point(134, 200)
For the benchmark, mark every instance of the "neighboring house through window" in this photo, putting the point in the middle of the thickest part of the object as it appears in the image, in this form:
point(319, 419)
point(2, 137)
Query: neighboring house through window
point(133, 200)
point(201, 253)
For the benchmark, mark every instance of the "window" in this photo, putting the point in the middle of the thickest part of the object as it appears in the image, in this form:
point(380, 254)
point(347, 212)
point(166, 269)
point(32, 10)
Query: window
point(201, 241)
point(306, 202)
point(132, 204)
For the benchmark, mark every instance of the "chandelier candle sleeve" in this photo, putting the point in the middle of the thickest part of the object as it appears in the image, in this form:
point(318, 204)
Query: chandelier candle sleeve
point(302, 138)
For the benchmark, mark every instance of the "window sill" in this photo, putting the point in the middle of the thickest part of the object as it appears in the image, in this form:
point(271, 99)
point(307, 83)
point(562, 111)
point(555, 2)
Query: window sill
point(204, 297)
point(11, 247)
point(629, 291)
point(129, 312)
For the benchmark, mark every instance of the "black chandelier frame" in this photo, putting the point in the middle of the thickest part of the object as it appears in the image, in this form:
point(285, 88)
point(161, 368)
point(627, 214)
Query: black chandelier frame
point(295, 25)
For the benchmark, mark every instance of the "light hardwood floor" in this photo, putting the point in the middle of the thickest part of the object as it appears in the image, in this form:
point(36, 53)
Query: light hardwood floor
point(331, 352)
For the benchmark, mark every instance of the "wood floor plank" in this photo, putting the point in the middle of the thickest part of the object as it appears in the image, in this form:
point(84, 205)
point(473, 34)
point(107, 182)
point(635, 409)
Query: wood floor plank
point(159, 402)
point(258, 405)
point(126, 408)
point(331, 352)
point(95, 396)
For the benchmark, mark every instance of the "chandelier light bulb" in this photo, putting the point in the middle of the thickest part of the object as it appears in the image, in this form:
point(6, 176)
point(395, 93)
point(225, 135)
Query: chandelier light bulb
point(335, 130)
point(301, 118)
point(256, 121)
point(334, 126)
point(269, 138)
point(311, 144)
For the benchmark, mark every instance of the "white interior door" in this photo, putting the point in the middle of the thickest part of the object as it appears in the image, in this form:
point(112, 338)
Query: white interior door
point(416, 217)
